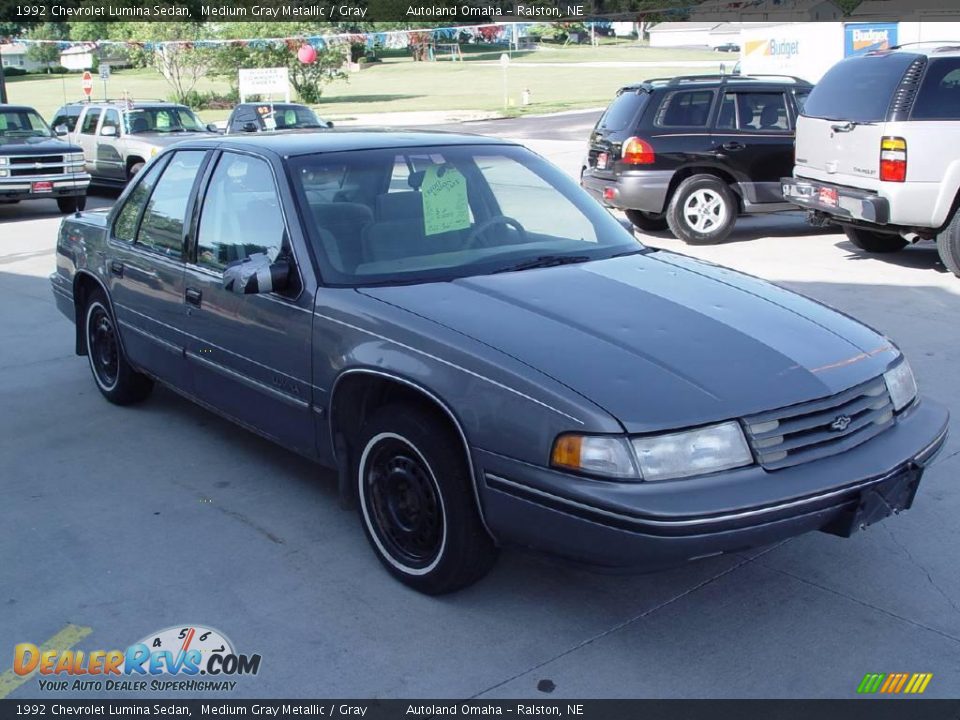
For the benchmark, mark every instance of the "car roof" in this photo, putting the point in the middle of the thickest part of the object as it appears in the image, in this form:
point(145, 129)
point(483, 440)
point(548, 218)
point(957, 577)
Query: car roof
point(18, 108)
point(308, 142)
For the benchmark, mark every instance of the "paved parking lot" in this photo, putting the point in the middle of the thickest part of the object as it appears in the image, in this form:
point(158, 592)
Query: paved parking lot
point(128, 520)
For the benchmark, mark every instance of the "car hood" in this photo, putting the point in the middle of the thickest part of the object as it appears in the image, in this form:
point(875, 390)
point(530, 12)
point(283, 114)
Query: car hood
point(34, 145)
point(658, 340)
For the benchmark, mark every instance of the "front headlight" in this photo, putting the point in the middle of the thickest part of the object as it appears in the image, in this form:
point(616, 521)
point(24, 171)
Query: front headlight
point(4, 161)
point(692, 452)
point(75, 157)
point(901, 384)
point(606, 455)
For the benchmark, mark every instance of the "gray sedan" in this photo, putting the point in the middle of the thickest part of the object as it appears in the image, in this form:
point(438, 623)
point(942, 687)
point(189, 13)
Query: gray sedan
point(486, 356)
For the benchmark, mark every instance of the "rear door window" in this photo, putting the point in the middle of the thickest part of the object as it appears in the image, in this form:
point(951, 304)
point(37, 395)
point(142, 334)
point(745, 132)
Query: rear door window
point(622, 112)
point(161, 228)
point(753, 112)
point(685, 108)
point(89, 126)
point(859, 88)
point(939, 96)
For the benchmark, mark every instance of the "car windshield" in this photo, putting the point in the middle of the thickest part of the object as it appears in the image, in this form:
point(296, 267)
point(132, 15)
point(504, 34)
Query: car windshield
point(15, 124)
point(409, 215)
point(285, 117)
point(161, 120)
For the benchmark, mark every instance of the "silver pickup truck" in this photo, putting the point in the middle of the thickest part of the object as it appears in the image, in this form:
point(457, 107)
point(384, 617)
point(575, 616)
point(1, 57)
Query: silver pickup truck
point(118, 137)
point(35, 164)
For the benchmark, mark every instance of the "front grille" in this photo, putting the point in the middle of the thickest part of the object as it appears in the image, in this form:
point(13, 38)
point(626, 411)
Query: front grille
point(813, 430)
point(33, 165)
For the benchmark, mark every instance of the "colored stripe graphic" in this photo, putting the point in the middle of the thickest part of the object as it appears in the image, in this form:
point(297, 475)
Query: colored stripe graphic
point(894, 683)
point(63, 640)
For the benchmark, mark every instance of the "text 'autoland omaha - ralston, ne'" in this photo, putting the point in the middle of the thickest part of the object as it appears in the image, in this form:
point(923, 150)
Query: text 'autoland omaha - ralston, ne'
point(492, 12)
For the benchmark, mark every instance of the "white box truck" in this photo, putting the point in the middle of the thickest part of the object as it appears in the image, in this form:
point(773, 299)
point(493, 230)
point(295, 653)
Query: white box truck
point(804, 50)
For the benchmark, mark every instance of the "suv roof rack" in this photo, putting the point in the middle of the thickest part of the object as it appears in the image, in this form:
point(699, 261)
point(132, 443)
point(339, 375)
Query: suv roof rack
point(722, 79)
point(939, 45)
point(120, 101)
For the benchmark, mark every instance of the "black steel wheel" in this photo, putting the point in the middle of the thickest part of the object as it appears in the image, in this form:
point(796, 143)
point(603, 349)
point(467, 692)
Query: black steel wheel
point(418, 502)
point(117, 381)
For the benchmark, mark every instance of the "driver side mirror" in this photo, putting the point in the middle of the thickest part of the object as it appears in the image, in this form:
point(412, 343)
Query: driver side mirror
point(108, 131)
point(61, 130)
point(212, 127)
point(329, 123)
point(249, 127)
point(257, 275)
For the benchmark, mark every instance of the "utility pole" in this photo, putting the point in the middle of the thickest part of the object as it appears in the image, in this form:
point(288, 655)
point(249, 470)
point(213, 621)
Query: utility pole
point(3, 84)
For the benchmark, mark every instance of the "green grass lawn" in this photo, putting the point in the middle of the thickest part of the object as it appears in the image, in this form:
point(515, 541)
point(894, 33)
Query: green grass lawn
point(401, 85)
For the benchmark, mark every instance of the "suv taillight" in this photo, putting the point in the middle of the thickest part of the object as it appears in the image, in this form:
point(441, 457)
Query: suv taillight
point(637, 152)
point(893, 159)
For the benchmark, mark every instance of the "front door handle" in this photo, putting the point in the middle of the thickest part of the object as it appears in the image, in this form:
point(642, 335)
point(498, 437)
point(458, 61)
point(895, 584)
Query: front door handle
point(116, 267)
point(193, 296)
point(734, 145)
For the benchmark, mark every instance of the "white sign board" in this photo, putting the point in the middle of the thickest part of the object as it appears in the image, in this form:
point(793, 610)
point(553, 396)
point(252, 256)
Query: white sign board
point(263, 82)
point(104, 72)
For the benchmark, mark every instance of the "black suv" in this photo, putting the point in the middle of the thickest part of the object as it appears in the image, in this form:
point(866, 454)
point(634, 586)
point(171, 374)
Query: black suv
point(693, 152)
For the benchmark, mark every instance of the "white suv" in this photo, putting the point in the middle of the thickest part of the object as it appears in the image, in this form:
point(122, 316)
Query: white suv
point(878, 150)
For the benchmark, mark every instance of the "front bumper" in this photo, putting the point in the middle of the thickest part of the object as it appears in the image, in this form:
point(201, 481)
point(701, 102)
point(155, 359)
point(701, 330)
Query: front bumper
point(645, 526)
point(22, 188)
point(635, 190)
point(852, 204)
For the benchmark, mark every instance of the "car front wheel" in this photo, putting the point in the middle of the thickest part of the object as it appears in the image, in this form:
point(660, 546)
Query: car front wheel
point(117, 381)
point(875, 242)
point(417, 502)
point(646, 221)
point(702, 210)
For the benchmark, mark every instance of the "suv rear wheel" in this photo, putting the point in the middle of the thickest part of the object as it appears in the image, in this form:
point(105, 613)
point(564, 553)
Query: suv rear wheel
point(702, 210)
point(875, 242)
point(948, 245)
point(647, 221)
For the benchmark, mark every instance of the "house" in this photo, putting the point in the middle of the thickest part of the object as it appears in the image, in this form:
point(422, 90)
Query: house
point(683, 34)
point(15, 56)
point(767, 10)
point(702, 34)
point(78, 57)
point(892, 10)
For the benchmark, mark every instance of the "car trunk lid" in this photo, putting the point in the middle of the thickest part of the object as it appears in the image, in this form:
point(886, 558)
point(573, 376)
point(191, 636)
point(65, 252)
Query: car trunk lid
point(614, 126)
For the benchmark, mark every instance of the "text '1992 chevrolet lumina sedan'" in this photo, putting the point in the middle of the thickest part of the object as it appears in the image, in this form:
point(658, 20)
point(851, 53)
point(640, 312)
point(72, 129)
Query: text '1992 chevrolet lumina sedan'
point(486, 356)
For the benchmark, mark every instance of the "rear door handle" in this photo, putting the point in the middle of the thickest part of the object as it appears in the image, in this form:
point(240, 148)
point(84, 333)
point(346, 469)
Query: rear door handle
point(734, 145)
point(116, 267)
point(193, 296)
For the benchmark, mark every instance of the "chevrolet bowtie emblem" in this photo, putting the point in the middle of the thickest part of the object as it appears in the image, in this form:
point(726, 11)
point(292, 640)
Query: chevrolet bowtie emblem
point(840, 423)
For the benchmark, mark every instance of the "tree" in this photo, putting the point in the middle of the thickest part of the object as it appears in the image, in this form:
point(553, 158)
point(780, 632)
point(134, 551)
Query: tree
point(307, 80)
point(176, 51)
point(47, 54)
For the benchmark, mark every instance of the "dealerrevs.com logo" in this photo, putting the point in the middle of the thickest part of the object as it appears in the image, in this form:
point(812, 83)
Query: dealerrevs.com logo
point(180, 658)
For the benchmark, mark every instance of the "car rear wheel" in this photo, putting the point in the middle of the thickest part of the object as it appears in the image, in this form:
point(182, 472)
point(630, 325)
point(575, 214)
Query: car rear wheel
point(117, 381)
point(417, 502)
point(948, 245)
point(702, 210)
point(875, 242)
point(646, 221)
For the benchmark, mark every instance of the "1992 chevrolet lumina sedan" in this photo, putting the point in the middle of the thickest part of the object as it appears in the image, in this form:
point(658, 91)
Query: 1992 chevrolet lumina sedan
point(486, 356)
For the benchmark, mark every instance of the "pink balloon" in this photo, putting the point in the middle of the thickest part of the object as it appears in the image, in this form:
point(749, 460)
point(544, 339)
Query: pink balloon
point(306, 54)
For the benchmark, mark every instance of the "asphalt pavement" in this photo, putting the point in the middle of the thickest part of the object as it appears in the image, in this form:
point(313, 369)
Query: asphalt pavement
point(118, 522)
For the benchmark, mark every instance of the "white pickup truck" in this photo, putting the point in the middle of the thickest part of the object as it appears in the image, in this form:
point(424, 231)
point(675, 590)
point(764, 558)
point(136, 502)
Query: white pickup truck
point(876, 150)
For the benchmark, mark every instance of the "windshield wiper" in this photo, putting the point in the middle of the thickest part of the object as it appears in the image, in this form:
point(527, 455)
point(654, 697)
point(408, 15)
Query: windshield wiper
point(545, 261)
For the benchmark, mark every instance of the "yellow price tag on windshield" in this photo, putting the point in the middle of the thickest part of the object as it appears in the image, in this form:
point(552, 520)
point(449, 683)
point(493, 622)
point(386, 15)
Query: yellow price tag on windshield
point(445, 205)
